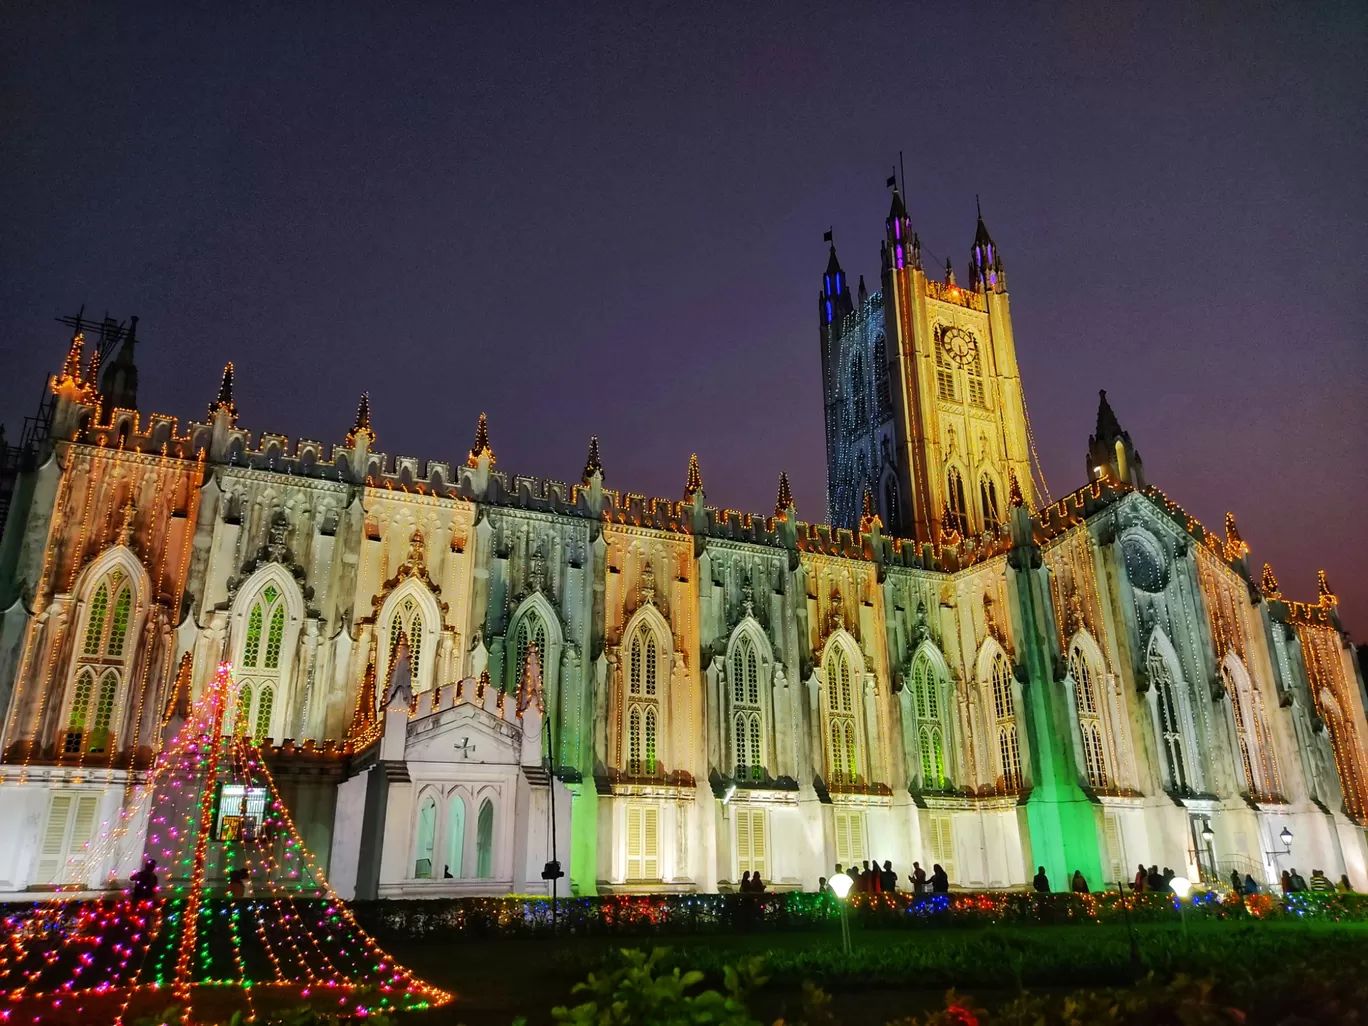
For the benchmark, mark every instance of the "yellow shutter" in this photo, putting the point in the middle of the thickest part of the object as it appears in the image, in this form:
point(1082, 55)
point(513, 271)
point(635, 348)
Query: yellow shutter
point(1111, 830)
point(758, 844)
point(945, 844)
point(54, 839)
point(650, 862)
point(743, 842)
point(82, 830)
point(843, 839)
point(633, 842)
point(857, 838)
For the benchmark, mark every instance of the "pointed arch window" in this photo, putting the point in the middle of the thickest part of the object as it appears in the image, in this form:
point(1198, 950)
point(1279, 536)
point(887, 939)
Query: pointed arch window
point(988, 497)
point(748, 714)
point(455, 836)
point(426, 839)
point(958, 515)
point(842, 733)
point(1251, 732)
point(643, 703)
point(1005, 724)
point(531, 630)
point(928, 709)
point(1087, 681)
point(484, 841)
point(1167, 708)
point(103, 654)
point(881, 376)
point(263, 648)
point(407, 622)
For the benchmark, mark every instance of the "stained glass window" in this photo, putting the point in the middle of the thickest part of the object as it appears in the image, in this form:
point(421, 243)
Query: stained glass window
point(274, 637)
point(251, 651)
point(99, 606)
point(104, 712)
point(265, 700)
point(118, 628)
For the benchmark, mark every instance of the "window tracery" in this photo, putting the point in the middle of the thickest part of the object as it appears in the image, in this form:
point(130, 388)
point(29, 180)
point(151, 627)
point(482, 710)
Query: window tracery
point(842, 733)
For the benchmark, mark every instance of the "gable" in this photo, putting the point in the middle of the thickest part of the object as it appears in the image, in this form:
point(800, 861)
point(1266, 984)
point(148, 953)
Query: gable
point(464, 733)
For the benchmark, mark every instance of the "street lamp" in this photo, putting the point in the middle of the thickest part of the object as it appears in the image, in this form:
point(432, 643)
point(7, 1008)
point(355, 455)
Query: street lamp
point(1286, 838)
point(1208, 833)
point(1181, 887)
point(840, 885)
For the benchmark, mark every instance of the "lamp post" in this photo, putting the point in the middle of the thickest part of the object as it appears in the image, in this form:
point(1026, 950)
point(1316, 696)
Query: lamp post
point(1207, 836)
point(840, 885)
point(1181, 886)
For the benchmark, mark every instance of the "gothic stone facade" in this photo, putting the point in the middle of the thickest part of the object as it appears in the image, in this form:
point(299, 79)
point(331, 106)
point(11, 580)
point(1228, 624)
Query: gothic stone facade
point(997, 683)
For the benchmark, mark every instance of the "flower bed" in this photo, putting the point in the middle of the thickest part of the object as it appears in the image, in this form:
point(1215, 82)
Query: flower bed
point(657, 915)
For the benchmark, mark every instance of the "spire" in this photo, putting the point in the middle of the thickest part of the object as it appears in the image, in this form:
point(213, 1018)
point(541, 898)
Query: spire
point(481, 446)
point(120, 384)
point(783, 505)
point(1268, 584)
point(985, 265)
point(361, 732)
point(1110, 452)
point(362, 425)
point(862, 293)
point(593, 465)
point(949, 272)
point(1014, 495)
point(869, 519)
point(92, 375)
point(1235, 546)
point(694, 484)
point(71, 368)
point(1327, 597)
point(224, 401)
point(834, 301)
point(900, 247)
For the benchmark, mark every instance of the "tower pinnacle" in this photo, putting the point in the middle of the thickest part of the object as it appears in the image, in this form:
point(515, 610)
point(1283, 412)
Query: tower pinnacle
point(593, 465)
point(783, 505)
point(363, 423)
point(1110, 452)
point(985, 265)
point(694, 484)
point(481, 447)
point(224, 402)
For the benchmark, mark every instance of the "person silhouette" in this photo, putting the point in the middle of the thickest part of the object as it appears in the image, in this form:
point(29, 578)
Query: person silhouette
point(1041, 882)
point(145, 882)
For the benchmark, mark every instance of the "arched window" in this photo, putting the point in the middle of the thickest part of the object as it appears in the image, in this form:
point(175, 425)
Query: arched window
point(484, 841)
point(1087, 677)
point(957, 511)
point(259, 667)
point(427, 833)
point(992, 515)
point(748, 713)
point(455, 835)
point(643, 703)
point(927, 709)
point(407, 622)
point(81, 695)
point(1167, 707)
point(1253, 740)
point(531, 630)
point(882, 378)
point(102, 656)
point(978, 395)
point(843, 740)
point(1005, 724)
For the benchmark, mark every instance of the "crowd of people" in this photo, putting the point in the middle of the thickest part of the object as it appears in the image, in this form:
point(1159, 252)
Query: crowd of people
point(872, 879)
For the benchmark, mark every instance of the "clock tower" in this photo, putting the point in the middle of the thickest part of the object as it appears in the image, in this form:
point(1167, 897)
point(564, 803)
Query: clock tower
point(956, 433)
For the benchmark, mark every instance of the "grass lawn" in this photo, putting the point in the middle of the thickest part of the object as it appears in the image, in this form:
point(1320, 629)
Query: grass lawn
point(890, 973)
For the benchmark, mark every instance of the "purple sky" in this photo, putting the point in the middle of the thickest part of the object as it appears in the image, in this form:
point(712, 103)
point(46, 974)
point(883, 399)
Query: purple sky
point(613, 225)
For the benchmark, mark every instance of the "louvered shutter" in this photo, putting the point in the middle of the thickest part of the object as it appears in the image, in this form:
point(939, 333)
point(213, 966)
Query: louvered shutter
point(945, 845)
point(743, 842)
point(1112, 831)
point(757, 833)
point(634, 843)
point(54, 839)
point(843, 838)
point(82, 830)
point(851, 824)
point(650, 862)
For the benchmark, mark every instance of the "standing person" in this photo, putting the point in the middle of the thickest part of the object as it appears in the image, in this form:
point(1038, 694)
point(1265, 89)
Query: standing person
point(1141, 878)
point(890, 878)
point(1286, 881)
point(1041, 882)
point(1155, 880)
point(918, 879)
point(1167, 879)
point(822, 886)
point(1235, 884)
point(757, 884)
point(1344, 884)
point(940, 882)
point(1250, 887)
point(1320, 882)
point(745, 885)
point(1079, 885)
point(145, 882)
point(1298, 881)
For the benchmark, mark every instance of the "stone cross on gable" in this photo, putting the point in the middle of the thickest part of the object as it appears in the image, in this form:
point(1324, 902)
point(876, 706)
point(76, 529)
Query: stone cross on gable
point(465, 748)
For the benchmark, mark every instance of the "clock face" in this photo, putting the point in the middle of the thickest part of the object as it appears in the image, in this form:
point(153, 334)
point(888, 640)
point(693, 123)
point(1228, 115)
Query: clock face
point(959, 346)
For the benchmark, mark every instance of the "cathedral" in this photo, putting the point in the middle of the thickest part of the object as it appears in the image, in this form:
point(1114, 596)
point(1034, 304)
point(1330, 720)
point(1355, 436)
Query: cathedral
point(461, 677)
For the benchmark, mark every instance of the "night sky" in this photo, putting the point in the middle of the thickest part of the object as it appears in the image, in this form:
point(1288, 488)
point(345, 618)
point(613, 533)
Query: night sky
point(612, 224)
